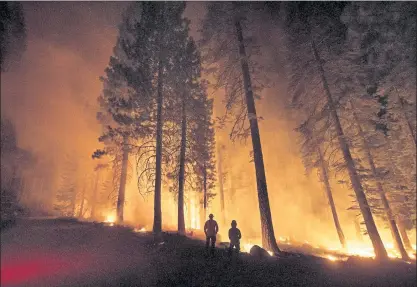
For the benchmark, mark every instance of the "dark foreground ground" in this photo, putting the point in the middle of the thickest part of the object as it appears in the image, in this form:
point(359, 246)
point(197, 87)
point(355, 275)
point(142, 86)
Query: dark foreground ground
point(69, 253)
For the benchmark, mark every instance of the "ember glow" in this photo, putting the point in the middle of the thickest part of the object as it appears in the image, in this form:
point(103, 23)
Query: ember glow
point(110, 219)
point(248, 246)
point(331, 258)
point(331, 253)
point(358, 250)
point(143, 229)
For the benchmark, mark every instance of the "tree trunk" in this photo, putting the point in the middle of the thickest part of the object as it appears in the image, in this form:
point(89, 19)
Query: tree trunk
point(202, 210)
point(388, 212)
point(410, 127)
point(73, 200)
point(181, 222)
point(221, 189)
point(157, 217)
point(330, 198)
point(232, 191)
point(80, 213)
point(377, 244)
point(94, 197)
point(205, 191)
point(9, 197)
point(404, 235)
point(268, 237)
point(122, 186)
point(22, 184)
point(358, 230)
point(190, 212)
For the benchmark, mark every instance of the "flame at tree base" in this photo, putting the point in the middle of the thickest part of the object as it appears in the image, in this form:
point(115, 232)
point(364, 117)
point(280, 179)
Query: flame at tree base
point(331, 250)
point(110, 219)
point(332, 254)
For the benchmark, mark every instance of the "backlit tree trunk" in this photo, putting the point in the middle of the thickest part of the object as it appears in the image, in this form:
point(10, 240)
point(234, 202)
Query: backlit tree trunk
point(73, 200)
point(181, 222)
point(122, 186)
point(404, 235)
point(94, 197)
point(202, 210)
point(331, 201)
point(377, 244)
point(409, 124)
point(221, 189)
point(157, 219)
point(205, 191)
point(268, 237)
point(80, 213)
point(388, 212)
point(358, 230)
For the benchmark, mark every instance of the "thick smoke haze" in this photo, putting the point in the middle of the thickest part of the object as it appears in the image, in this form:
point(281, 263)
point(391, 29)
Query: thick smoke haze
point(51, 95)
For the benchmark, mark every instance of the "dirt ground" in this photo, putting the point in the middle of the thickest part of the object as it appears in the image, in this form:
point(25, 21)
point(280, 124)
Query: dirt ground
point(69, 253)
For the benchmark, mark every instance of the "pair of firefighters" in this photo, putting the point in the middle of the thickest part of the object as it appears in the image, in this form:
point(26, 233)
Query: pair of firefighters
point(211, 228)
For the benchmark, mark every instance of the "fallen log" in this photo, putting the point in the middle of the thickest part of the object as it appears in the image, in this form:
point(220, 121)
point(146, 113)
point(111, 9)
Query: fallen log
point(258, 252)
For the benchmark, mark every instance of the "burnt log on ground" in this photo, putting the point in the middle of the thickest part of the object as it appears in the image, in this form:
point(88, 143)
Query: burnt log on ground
point(259, 252)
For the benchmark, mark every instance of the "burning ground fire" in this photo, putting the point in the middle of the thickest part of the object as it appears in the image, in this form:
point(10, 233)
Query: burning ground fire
point(248, 246)
point(340, 254)
point(110, 219)
point(139, 229)
point(332, 254)
point(286, 244)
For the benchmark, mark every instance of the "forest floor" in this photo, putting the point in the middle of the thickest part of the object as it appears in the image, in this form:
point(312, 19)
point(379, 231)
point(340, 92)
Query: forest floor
point(59, 252)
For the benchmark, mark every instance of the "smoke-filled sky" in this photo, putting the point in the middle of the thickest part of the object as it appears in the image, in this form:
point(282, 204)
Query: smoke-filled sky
point(51, 95)
point(51, 98)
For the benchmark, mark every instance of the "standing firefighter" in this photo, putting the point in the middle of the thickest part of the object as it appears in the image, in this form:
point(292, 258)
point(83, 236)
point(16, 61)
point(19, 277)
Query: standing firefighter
point(210, 229)
point(234, 236)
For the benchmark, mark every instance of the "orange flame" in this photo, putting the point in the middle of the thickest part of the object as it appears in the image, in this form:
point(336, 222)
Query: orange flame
point(110, 219)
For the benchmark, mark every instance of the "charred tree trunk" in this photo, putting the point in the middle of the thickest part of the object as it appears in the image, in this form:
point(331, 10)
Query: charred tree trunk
point(122, 186)
point(268, 237)
point(181, 221)
point(377, 244)
point(221, 189)
point(404, 235)
point(157, 219)
point(331, 201)
point(388, 212)
point(94, 197)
